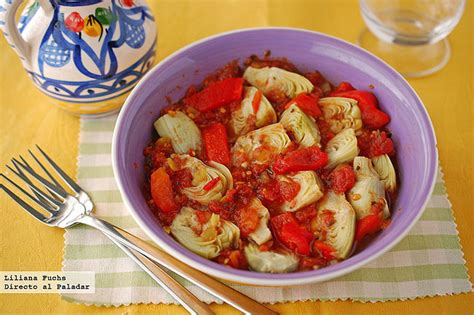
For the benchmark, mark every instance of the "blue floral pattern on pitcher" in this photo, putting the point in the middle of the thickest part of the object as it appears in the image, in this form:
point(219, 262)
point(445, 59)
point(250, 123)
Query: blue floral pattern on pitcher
point(90, 50)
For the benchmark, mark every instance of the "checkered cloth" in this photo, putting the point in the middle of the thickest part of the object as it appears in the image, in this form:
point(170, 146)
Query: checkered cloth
point(428, 262)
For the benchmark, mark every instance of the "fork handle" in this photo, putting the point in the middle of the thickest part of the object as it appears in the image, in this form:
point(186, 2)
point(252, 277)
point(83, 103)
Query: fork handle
point(211, 285)
point(173, 287)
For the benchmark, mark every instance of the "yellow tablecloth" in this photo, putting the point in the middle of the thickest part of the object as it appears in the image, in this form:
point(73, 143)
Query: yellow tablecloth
point(27, 118)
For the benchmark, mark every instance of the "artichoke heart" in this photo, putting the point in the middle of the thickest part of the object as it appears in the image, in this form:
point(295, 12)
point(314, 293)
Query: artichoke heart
point(301, 126)
point(182, 131)
point(262, 233)
point(203, 174)
point(270, 261)
point(384, 167)
point(269, 79)
point(265, 114)
point(311, 190)
point(340, 234)
point(342, 148)
point(262, 145)
point(212, 237)
point(368, 189)
point(341, 113)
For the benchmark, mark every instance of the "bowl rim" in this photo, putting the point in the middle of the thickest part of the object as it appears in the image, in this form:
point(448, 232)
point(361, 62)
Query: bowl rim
point(252, 277)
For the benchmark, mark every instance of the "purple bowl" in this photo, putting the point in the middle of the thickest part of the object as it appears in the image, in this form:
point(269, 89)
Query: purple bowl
point(339, 61)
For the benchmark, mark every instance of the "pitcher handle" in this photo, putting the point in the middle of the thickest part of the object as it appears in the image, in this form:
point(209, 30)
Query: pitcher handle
point(9, 27)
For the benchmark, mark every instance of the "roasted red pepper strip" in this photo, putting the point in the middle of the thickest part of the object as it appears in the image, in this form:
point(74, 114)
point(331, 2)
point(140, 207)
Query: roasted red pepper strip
point(257, 98)
point(344, 87)
point(372, 117)
point(375, 118)
point(211, 184)
point(325, 250)
point(216, 95)
point(366, 100)
point(162, 191)
point(215, 143)
point(368, 225)
point(292, 235)
point(304, 159)
point(308, 104)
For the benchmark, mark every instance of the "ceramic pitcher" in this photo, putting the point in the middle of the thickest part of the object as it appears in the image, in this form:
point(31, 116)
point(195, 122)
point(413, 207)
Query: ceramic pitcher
point(86, 54)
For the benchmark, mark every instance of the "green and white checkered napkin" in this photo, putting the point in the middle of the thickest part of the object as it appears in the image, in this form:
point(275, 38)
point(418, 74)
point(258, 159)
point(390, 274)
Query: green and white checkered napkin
point(428, 262)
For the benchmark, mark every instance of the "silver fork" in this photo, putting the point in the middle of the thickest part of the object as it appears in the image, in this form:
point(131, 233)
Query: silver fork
point(173, 287)
point(67, 210)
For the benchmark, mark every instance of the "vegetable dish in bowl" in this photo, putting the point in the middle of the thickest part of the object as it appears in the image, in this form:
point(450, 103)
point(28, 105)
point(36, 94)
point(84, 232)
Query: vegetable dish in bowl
point(163, 91)
point(266, 168)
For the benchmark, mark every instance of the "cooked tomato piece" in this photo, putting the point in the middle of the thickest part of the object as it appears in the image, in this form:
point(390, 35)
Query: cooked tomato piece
point(375, 143)
point(290, 234)
point(279, 220)
point(293, 238)
point(327, 218)
point(216, 144)
point(162, 191)
point(306, 214)
point(275, 192)
point(288, 189)
point(269, 192)
point(342, 178)
point(304, 159)
point(247, 220)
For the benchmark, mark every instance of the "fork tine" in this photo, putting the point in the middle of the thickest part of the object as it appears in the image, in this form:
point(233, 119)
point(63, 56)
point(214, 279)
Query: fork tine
point(23, 204)
point(43, 168)
point(71, 183)
point(59, 191)
point(39, 203)
point(41, 196)
point(28, 181)
point(18, 172)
